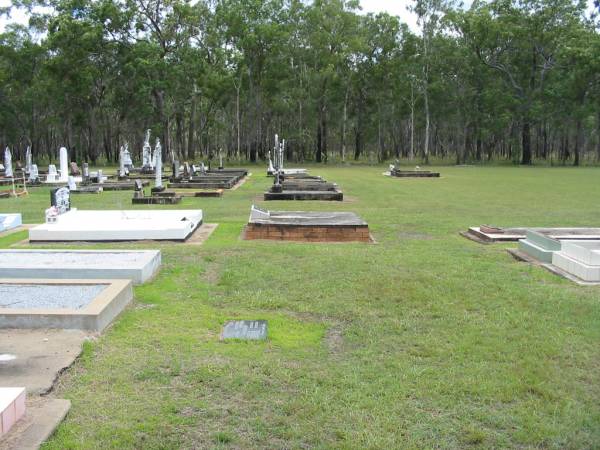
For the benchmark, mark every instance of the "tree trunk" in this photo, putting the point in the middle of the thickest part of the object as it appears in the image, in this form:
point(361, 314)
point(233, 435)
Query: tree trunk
point(526, 142)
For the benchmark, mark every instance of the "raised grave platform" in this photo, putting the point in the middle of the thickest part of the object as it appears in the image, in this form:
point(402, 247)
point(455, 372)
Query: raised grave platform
point(12, 407)
point(136, 265)
point(414, 174)
point(539, 246)
point(114, 225)
point(306, 226)
point(490, 234)
point(67, 304)
point(580, 259)
point(305, 195)
point(10, 221)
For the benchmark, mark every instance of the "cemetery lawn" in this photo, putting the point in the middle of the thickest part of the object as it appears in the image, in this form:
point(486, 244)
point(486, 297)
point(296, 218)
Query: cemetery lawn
point(422, 340)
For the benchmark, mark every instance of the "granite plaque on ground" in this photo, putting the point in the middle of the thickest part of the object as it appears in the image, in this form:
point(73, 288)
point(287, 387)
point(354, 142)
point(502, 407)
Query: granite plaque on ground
point(245, 329)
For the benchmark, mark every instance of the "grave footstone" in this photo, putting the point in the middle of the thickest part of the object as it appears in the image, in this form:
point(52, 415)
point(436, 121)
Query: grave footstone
point(245, 330)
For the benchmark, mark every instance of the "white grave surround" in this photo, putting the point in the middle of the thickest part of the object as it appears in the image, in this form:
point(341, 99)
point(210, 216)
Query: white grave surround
point(10, 221)
point(12, 407)
point(579, 258)
point(116, 225)
point(138, 266)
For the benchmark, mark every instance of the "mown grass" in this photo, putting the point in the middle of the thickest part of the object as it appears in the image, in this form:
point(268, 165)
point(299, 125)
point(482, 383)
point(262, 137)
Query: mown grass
point(423, 340)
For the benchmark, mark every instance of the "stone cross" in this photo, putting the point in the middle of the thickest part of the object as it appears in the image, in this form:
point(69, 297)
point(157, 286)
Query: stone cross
point(8, 171)
point(158, 164)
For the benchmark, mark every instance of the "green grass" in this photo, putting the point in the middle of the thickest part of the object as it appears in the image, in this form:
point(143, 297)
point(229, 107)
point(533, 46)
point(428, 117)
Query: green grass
point(423, 340)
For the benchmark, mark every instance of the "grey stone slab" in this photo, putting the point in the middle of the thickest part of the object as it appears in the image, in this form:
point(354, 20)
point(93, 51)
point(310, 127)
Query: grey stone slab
point(48, 296)
point(543, 241)
point(245, 329)
point(136, 265)
point(309, 218)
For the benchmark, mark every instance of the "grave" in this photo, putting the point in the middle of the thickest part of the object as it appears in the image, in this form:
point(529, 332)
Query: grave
point(249, 330)
point(10, 221)
point(89, 189)
point(580, 259)
point(12, 407)
point(539, 246)
point(136, 265)
point(486, 234)
point(277, 165)
point(417, 172)
point(119, 225)
point(66, 304)
point(159, 196)
point(303, 189)
point(306, 226)
point(8, 170)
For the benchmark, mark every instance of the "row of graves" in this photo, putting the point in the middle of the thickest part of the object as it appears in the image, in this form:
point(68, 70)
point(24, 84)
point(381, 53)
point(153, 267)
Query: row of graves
point(573, 253)
point(297, 184)
point(51, 301)
point(303, 226)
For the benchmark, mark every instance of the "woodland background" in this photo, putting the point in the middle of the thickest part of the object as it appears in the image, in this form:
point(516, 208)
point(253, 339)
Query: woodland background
point(504, 80)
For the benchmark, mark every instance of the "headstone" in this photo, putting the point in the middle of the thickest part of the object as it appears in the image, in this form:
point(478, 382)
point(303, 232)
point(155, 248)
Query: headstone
point(64, 164)
point(60, 198)
point(74, 169)
point(158, 165)
point(245, 329)
point(176, 173)
point(186, 170)
point(72, 184)
point(202, 168)
point(86, 174)
point(147, 153)
point(34, 174)
point(52, 174)
point(100, 176)
point(123, 171)
point(139, 189)
point(8, 171)
point(220, 159)
point(127, 161)
point(28, 160)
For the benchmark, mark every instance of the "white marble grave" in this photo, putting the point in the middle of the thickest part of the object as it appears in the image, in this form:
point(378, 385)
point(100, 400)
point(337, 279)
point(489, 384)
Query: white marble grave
point(115, 225)
point(579, 258)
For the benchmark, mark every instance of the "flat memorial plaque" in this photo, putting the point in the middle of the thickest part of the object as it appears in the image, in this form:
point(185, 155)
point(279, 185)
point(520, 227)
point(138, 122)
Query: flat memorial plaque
point(245, 329)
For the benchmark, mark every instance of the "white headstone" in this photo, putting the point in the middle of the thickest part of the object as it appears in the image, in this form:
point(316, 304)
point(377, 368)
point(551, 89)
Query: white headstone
point(127, 157)
point(64, 164)
point(147, 152)
point(33, 173)
point(28, 160)
point(158, 164)
point(8, 172)
point(72, 184)
point(122, 171)
point(100, 176)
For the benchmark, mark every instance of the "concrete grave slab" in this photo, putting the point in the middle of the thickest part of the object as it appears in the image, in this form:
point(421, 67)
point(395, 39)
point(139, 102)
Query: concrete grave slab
point(34, 358)
point(126, 225)
point(539, 246)
point(136, 265)
point(490, 234)
point(306, 226)
point(68, 304)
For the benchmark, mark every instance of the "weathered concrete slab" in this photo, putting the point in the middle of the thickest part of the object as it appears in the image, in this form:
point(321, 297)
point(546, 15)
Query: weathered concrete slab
point(34, 358)
point(305, 195)
point(499, 234)
point(136, 265)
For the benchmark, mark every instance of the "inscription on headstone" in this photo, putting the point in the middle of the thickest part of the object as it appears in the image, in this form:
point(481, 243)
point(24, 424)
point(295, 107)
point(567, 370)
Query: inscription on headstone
point(61, 199)
point(245, 329)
